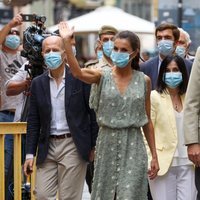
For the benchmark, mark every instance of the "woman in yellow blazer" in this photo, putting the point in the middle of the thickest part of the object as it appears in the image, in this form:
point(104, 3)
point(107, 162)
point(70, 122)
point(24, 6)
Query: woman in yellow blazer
point(175, 180)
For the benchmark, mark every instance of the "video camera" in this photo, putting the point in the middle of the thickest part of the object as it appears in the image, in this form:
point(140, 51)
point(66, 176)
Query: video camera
point(32, 44)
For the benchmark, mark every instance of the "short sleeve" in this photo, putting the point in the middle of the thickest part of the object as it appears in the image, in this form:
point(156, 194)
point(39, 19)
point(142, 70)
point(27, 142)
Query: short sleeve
point(95, 92)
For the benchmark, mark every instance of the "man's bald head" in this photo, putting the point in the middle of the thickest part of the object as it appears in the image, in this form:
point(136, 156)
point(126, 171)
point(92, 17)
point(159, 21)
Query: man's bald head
point(53, 40)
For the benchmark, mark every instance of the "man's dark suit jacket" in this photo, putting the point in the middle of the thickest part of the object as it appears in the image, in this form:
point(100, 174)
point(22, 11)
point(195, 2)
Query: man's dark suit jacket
point(81, 119)
point(150, 68)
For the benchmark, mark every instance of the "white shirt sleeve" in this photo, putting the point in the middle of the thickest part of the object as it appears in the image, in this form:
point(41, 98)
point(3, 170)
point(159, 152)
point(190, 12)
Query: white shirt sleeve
point(29, 156)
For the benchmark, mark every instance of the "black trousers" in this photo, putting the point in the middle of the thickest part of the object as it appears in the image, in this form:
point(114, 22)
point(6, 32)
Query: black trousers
point(89, 175)
point(197, 181)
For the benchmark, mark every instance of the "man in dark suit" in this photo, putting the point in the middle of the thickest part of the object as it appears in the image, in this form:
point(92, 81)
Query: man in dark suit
point(61, 127)
point(167, 36)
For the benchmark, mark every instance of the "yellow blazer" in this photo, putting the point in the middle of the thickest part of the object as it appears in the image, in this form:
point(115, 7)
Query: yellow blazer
point(164, 122)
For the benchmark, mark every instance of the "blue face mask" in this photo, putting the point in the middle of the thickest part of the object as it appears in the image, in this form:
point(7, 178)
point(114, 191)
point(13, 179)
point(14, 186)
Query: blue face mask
point(173, 79)
point(12, 41)
point(99, 54)
point(180, 51)
point(53, 60)
point(108, 47)
point(120, 59)
point(165, 47)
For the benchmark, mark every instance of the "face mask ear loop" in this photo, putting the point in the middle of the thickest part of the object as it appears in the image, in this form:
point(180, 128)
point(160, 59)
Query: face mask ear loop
point(142, 59)
point(100, 42)
point(63, 58)
point(132, 57)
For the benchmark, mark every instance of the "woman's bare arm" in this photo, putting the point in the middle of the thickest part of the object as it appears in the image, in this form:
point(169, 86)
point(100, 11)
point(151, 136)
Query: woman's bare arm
point(86, 75)
point(149, 133)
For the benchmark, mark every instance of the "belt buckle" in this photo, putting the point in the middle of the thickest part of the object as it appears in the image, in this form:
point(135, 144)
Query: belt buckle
point(67, 135)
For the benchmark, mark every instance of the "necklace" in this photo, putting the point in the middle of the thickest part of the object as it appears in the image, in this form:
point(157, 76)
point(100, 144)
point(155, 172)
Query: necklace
point(176, 107)
point(176, 102)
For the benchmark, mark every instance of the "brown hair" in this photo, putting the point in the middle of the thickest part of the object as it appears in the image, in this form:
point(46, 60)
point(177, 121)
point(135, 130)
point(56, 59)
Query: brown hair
point(164, 26)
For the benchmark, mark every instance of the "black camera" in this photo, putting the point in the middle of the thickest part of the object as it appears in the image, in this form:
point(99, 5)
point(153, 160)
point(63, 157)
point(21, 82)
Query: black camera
point(32, 44)
point(33, 18)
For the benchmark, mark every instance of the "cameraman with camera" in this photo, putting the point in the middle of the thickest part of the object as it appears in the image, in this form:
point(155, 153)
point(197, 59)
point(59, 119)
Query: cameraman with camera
point(10, 62)
point(19, 84)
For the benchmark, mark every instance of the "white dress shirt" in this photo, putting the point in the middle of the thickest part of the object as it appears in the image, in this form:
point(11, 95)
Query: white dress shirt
point(180, 155)
point(59, 124)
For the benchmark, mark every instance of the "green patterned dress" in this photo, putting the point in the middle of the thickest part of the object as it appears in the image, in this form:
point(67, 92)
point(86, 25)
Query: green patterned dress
point(121, 159)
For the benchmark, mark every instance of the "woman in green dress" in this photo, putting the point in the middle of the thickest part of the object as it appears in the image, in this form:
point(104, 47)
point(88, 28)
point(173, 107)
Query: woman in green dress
point(120, 97)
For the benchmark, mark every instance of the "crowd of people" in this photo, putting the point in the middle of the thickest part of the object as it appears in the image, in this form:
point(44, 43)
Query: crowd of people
point(126, 123)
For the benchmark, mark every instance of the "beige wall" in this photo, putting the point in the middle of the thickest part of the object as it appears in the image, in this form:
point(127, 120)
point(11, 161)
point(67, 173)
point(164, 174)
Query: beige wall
point(44, 7)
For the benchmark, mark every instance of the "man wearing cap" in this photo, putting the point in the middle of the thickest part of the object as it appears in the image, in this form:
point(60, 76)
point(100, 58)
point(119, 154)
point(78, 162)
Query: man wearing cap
point(104, 43)
point(10, 62)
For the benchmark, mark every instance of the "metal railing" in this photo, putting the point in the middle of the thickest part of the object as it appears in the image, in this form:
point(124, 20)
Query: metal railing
point(16, 129)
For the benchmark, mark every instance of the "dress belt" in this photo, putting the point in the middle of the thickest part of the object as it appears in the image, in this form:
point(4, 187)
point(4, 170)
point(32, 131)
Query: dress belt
point(7, 112)
point(67, 135)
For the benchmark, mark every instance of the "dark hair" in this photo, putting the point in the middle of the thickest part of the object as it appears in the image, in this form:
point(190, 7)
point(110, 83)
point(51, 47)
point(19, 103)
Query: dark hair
point(164, 26)
point(161, 85)
point(135, 44)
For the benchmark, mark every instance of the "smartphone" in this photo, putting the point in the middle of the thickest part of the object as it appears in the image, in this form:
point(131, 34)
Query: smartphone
point(28, 17)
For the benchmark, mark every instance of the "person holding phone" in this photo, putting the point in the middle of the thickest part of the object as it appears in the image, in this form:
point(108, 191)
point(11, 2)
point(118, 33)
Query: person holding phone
point(10, 63)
